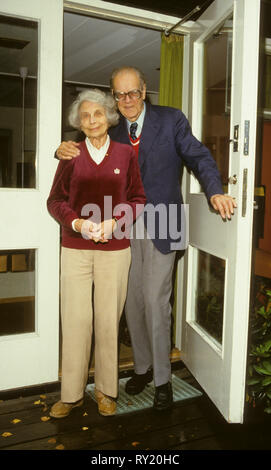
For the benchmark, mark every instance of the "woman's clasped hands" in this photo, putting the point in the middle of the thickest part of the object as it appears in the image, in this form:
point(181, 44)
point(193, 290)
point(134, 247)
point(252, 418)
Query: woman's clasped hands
point(100, 232)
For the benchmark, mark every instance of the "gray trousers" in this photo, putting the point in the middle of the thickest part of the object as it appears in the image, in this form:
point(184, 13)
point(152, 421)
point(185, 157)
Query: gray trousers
point(148, 310)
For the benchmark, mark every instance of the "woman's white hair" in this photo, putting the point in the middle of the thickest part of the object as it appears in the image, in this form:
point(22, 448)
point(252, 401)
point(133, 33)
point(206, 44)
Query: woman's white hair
point(94, 95)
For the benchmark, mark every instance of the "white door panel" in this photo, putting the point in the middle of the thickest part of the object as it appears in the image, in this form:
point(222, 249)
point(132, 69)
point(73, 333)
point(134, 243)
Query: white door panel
point(31, 357)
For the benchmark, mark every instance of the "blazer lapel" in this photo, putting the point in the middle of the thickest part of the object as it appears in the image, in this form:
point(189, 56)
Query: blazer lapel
point(149, 134)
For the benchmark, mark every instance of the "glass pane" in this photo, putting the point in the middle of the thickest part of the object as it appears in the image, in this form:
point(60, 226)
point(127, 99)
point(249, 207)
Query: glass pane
point(18, 102)
point(209, 293)
point(17, 292)
point(217, 96)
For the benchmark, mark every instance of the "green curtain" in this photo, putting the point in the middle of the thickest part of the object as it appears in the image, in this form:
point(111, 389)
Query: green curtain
point(170, 94)
point(171, 71)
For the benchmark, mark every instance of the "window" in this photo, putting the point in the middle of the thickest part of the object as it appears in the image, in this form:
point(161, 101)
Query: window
point(18, 102)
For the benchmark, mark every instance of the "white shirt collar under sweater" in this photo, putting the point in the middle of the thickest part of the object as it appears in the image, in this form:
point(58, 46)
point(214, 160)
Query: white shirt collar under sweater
point(97, 154)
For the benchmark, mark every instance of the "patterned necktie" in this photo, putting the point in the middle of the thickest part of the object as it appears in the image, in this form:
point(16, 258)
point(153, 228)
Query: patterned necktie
point(133, 129)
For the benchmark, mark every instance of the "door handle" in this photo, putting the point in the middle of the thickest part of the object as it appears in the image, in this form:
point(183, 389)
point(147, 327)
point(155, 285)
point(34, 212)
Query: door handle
point(232, 179)
point(235, 138)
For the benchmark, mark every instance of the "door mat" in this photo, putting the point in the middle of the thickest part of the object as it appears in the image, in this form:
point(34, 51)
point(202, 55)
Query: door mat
point(128, 403)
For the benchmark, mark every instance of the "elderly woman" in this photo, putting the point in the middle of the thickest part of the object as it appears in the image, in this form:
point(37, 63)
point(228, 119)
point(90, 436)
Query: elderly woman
point(105, 176)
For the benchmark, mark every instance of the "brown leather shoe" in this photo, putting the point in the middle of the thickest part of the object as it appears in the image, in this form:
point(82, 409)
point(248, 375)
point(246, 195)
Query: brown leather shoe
point(61, 410)
point(106, 405)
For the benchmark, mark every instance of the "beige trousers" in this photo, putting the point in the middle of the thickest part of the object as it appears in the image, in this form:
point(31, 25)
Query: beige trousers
point(108, 272)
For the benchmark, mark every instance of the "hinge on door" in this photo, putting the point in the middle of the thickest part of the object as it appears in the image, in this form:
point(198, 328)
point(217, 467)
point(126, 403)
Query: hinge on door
point(244, 193)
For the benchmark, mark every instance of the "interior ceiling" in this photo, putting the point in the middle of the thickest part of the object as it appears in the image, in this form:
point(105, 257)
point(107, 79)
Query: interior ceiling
point(92, 47)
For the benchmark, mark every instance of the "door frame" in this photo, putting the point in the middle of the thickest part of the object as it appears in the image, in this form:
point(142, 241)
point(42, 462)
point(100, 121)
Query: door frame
point(152, 20)
point(138, 17)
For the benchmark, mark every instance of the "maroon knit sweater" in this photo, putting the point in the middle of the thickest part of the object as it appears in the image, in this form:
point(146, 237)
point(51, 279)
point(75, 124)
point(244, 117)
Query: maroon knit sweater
point(80, 182)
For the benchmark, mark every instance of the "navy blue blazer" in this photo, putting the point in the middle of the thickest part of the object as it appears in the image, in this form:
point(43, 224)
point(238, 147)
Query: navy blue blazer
point(166, 144)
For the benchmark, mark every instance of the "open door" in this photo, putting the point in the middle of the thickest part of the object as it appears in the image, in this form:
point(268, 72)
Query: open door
point(30, 122)
point(216, 292)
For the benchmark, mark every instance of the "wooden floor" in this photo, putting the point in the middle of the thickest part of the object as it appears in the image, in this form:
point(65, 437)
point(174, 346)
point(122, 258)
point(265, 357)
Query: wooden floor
point(190, 425)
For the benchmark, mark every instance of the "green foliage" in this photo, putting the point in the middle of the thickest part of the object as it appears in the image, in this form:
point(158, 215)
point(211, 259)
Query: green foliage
point(259, 358)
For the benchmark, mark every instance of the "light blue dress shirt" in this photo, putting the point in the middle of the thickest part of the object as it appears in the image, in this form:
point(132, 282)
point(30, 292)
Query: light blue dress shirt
point(139, 122)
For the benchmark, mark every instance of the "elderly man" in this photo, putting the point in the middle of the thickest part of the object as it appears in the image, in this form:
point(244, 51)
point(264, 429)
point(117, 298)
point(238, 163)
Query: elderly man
point(162, 139)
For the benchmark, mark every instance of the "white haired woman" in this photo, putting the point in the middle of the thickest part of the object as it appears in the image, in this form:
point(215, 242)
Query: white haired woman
point(91, 253)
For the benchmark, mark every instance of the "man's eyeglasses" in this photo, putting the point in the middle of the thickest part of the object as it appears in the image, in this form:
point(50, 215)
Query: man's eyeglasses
point(121, 95)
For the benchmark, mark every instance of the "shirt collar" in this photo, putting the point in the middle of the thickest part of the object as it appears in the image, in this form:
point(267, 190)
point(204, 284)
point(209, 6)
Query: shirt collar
point(97, 154)
point(101, 150)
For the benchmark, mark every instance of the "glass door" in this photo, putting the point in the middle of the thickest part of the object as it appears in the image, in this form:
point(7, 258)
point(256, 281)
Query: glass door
point(218, 261)
point(30, 129)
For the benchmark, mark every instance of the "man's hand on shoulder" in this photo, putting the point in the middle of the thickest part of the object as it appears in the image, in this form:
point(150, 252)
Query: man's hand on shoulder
point(224, 204)
point(68, 150)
